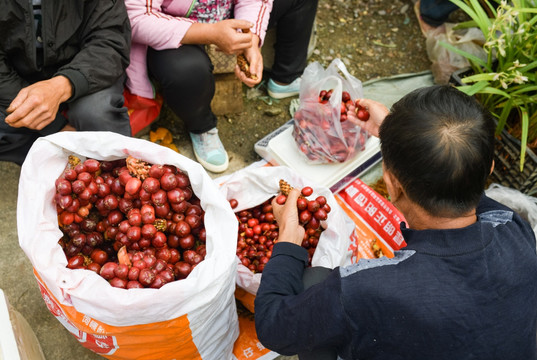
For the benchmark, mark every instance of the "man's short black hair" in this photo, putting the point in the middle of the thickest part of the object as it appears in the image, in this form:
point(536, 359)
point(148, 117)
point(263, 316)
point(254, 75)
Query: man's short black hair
point(439, 144)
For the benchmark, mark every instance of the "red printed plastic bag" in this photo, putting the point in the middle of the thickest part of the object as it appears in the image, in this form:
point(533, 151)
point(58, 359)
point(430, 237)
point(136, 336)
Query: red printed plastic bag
point(142, 111)
point(252, 186)
point(321, 129)
point(377, 221)
point(193, 318)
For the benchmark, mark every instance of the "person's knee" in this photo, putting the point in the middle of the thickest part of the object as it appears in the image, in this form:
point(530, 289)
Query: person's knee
point(188, 67)
point(101, 111)
point(195, 73)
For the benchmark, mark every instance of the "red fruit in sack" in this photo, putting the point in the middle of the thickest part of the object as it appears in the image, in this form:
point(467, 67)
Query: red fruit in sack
point(307, 191)
point(233, 203)
point(76, 262)
point(133, 185)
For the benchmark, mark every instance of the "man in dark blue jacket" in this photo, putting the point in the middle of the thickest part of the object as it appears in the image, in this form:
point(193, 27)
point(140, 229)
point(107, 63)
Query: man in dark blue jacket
point(464, 287)
point(62, 67)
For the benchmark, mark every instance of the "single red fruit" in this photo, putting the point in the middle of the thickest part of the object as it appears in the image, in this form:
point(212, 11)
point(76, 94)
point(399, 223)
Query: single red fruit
point(146, 277)
point(133, 185)
point(307, 191)
point(99, 256)
point(107, 270)
point(362, 114)
point(168, 181)
point(76, 262)
point(234, 203)
point(313, 206)
point(156, 171)
point(151, 185)
point(181, 269)
point(119, 283)
point(280, 199)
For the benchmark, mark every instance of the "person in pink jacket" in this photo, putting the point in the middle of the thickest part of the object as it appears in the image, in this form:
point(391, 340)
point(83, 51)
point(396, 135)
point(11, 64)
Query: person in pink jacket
point(167, 48)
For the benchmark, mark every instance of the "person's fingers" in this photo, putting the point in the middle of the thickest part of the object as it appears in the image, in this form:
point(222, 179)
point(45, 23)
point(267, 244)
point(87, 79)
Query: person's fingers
point(277, 209)
point(256, 68)
point(241, 75)
point(366, 103)
point(32, 118)
point(292, 197)
point(21, 111)
point(19, 99)
point(241, 24)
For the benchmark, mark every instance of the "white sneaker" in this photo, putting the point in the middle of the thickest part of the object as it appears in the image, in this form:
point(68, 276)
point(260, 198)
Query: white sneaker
point(210, 151)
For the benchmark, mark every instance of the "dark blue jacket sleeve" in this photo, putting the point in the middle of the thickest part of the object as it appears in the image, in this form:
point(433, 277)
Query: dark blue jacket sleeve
point(289, 320)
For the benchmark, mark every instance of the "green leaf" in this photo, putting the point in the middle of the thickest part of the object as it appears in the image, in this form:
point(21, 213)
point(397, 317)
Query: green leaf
point(529, 66)
point(502, 120)
point(479, 77)
point(491, 90)
point(465, 54)
point(473, 9)
point(524, 137)
point(476, 88)
point(524, 89)
point(465, 25)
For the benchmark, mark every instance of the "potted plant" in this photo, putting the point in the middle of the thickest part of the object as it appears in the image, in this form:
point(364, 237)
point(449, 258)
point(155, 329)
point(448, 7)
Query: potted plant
point(506, 82)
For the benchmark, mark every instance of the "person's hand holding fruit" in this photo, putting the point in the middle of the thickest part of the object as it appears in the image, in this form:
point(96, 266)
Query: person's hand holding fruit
point(376, 111)
point(287, 218)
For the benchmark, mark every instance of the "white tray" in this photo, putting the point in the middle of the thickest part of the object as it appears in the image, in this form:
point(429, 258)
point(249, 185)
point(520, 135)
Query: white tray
point(282, 150)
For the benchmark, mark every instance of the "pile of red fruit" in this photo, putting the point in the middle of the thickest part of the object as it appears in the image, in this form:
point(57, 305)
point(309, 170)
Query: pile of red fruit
point(317, 125)
point(136, 224)
point(258, 230)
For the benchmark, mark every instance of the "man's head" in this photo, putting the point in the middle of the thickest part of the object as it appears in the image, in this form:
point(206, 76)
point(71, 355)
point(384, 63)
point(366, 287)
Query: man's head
point(439, 145)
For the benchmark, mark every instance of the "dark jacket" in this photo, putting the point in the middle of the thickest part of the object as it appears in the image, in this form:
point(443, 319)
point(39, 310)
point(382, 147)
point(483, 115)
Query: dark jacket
point(468, 293)
point(86, 41)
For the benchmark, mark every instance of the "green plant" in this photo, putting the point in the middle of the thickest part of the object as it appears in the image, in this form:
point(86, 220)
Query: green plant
point(506, 82)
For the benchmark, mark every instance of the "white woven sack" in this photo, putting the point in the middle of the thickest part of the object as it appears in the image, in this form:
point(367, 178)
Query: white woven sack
point(252, 186)
point(206, 296)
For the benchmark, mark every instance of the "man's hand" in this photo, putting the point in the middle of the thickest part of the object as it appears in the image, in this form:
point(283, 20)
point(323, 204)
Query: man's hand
point(287, 218)
point(377, 113)
point(36, 106)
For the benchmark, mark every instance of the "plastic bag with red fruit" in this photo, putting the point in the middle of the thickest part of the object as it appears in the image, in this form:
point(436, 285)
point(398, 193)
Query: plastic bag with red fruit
point(321, 130)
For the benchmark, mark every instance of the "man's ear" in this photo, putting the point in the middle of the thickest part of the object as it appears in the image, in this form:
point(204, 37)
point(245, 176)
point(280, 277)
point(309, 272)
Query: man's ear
point(392, 184)
point(492, 167)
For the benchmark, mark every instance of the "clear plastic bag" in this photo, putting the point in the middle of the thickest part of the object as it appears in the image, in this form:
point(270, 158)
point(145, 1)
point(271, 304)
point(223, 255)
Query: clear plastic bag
point(445, 62)
point(321, 132)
